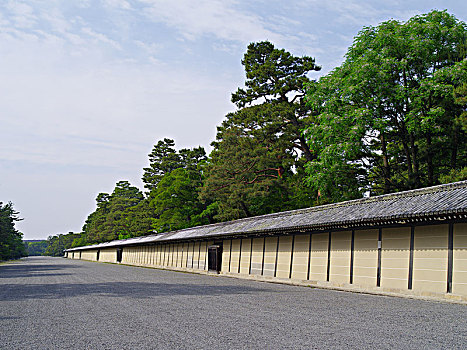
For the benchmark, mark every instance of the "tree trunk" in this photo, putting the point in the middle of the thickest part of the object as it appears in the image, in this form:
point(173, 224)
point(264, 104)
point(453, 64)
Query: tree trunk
point(245, 209)
point(404, 140)
point(306, 150)
point(455, 140)
point(429, 159)
point(413, 150)
point(309, 156)
point(386, 169)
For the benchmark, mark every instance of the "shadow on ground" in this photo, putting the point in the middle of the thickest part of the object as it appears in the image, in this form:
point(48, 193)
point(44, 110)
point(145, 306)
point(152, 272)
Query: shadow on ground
point(134, 290)
point(32, 270)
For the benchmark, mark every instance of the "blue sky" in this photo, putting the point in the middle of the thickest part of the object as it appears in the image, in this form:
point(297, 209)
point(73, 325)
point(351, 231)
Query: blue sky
point(88, 87)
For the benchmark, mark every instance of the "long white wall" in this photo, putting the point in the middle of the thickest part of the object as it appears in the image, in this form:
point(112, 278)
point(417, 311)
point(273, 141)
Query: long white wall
point(411, 260)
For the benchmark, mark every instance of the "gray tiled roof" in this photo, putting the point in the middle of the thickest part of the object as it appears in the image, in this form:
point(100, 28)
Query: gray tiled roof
point(441, 202)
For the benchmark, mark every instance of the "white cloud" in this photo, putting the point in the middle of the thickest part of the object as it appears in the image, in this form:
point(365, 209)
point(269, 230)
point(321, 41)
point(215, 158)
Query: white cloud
point(57, 21)
point(120, 4)
point(150, 48)
point(216, 18)
point(84, 4)
point(99, 37)
point(22, 14)
point(3, 21)
point(50, 99)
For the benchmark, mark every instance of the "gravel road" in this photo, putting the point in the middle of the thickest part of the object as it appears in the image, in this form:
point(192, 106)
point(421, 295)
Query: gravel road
point(54, 303)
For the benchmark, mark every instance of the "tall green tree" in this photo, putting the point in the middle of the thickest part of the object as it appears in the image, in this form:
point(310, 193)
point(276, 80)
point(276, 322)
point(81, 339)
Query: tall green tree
point(256, 166)
point(11, 244)
point(387, 119)
point(174, 198)
point(122, 213)
point(275, 79)
point(164, 158)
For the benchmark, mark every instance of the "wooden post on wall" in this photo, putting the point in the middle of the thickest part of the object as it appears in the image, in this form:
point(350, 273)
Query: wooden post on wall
point(159, 248)
point(251, 253)
point(380, 243)
point(309, 259)
point(412, 238)
point(206, 257)
point(193, 256)
point(176, 258)
point(230, 254)
point(199, 253)
point(262, 260)
point(352, 246)
point(328, 268)
point(450, 256)
point(277, 254)
point(240, 255)
point(291, 256)
point(173, 254)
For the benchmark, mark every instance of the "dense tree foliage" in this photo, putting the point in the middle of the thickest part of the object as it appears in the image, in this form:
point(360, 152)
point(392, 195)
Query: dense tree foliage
point(175, 201)
point(390, 117)
point(174, 179)
point(164, 158)
point(121, 214)
point(11, 244)
point(275, 79)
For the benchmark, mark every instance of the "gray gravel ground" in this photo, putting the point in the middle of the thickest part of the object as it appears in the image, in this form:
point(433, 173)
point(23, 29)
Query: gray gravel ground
point(54, 303)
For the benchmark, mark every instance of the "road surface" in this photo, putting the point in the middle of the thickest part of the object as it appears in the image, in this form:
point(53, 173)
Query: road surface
point(55, 303)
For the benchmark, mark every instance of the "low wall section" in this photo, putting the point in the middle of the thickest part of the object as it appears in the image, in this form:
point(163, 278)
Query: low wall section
point(89, 255)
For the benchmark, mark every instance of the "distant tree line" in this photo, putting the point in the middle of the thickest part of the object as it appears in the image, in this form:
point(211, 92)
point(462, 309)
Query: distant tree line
point(11, 244)
point(392, 117)
point(58, 243)
point(35, 248)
